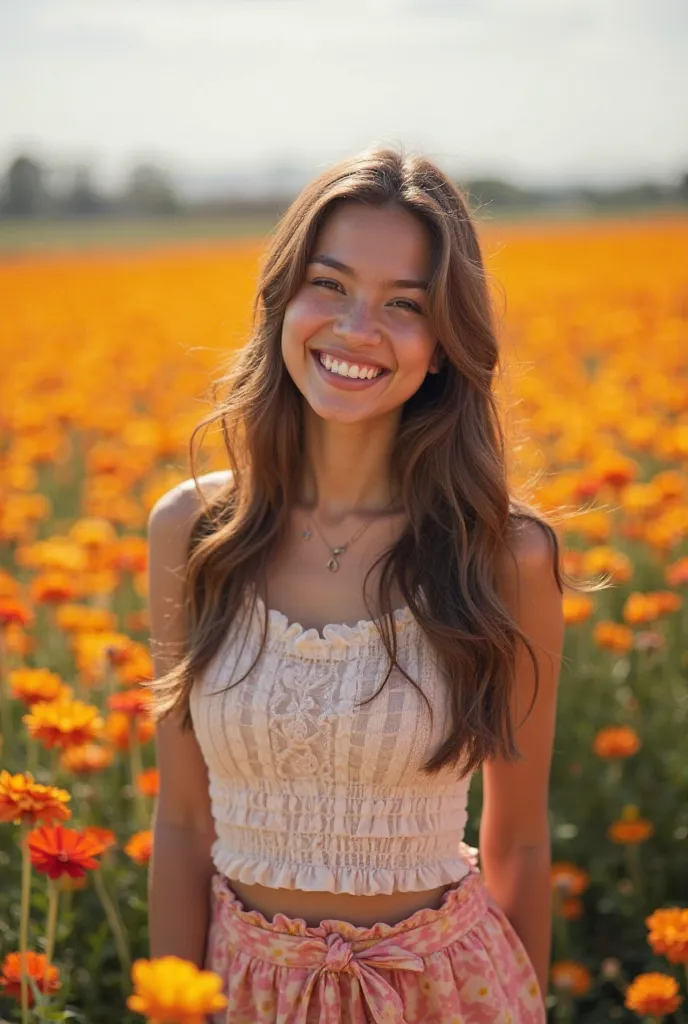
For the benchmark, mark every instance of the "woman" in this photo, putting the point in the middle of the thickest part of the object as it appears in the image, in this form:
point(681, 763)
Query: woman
point(347, 624)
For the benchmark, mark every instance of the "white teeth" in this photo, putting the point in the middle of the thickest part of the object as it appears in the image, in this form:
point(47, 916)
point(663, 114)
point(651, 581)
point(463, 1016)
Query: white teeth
point(343, 369)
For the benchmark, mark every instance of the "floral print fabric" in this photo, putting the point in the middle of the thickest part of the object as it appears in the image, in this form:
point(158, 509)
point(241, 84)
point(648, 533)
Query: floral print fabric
point(460, 964)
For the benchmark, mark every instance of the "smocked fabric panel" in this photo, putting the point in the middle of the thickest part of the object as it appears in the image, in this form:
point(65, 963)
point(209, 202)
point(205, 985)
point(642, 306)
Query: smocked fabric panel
point(310, 791)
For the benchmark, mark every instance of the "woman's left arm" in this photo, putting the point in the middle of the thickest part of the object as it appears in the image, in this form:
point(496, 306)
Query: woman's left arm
point(515, 847)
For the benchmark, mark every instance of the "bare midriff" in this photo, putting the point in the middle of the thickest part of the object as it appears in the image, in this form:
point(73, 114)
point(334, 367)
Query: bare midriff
point(315, 907)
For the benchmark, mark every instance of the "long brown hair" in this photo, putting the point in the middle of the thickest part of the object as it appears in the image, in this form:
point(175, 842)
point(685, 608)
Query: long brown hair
point(448, 459)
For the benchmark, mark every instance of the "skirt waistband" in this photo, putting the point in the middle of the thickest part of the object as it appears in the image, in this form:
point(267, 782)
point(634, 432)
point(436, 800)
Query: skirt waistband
point(336, 945)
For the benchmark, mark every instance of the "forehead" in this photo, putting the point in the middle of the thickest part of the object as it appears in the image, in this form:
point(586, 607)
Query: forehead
point(386, 242)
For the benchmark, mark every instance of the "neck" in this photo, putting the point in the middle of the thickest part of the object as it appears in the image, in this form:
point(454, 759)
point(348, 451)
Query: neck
point(347, 466)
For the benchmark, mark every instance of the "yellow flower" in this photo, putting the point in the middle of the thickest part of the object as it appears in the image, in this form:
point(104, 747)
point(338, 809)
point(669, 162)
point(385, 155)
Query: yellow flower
point(175, 990)
point(64, 723)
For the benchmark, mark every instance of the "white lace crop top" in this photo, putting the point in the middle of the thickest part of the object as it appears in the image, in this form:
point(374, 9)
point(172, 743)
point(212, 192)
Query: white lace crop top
point(309, 791)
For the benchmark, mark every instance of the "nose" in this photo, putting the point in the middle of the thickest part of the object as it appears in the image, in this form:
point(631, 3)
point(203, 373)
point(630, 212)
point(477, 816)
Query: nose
point(357, 325)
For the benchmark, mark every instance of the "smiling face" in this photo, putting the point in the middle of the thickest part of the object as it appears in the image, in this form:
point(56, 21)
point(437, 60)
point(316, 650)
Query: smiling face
point(356, 337)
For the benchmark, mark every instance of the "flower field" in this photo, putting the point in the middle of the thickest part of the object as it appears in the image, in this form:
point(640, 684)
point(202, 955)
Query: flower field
point(107, 361)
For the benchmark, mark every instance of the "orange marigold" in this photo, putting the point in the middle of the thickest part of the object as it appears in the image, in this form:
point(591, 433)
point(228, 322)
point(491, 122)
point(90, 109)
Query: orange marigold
point(54, 588)
point(148, 782)
point(577, 608)
point(24, 801)
point(568, 879)
point(616, 741)
point(631, 828)
point(612, 636)
point(57, 851)
point(64, 723)
point(140, 846)
point(118, 729)
point(103, 835)
point(571, 976)
point(131, 702)
point(86, 759)
point(653, 995)
point(32, 685)
point(603, 559)
point(676, 575)
point(45, 976)
point(668, 935)
point(14, 612)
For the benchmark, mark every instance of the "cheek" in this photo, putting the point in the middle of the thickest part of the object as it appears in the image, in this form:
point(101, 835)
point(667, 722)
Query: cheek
point(302, 317)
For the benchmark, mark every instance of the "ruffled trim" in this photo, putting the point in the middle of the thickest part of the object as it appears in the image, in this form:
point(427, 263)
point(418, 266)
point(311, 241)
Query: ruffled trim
point(336, 637)
point(464, 884)
point(366, 881)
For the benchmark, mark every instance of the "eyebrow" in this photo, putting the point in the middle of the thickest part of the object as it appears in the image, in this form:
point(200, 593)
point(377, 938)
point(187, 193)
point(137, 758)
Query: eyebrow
point(330, 261)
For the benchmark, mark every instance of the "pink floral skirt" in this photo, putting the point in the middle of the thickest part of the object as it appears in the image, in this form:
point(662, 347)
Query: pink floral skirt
point(460, 964)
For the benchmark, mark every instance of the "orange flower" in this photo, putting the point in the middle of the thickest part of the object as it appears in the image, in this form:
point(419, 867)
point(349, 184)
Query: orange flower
point(105, 836)
point(148, 782)
point(616, 741)
point(32, 685)
point(131, 702)
point(669, 934)
point(571, 909)
point(577, 608)
point(676, 575)
point(612, 636)
point(631, 828)
point(606, 560)
point(76, 618)
point(86, 759)
point(14, 612)
point(25, 801)
point(45, 976)
point(653, 995)
point(118, 729)
point(641, 608)
point(568, 879)
point(57, 851)
point(64, 723)
point(570, 976)
point(54, 587)
point(169, 989)
point(140, 846)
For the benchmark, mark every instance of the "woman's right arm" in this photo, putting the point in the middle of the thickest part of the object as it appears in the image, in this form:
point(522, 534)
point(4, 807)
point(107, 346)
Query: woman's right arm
point(181, 867)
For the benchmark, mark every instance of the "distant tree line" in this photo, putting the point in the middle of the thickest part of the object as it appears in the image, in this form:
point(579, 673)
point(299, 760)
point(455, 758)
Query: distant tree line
point(28, 190)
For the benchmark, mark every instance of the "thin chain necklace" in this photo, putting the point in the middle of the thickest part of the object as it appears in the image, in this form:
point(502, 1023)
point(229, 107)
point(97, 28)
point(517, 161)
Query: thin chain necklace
point(337, 552)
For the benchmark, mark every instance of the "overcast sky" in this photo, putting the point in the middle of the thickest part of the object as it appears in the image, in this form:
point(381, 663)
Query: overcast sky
point(536, 90)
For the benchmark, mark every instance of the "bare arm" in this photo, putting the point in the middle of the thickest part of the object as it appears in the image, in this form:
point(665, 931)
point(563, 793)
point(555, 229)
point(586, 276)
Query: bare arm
point(181, 867)
point(515, 848)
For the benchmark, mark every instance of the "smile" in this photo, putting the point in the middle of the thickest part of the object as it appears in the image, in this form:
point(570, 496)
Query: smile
point(353, 371)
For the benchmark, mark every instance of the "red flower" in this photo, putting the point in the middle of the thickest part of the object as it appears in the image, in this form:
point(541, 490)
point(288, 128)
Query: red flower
point(57, 851)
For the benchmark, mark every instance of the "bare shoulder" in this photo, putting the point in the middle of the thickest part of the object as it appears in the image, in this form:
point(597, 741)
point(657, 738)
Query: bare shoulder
point(527, 565)
point(181, 502)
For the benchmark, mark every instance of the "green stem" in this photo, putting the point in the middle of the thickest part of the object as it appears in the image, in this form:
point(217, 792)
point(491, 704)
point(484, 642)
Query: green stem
point(562, 1012)
point(33, 756)
point(51, 923)
point(114, 921)
point(24, 923)
point(54, 765)
point(6, 729)
point(634, 869)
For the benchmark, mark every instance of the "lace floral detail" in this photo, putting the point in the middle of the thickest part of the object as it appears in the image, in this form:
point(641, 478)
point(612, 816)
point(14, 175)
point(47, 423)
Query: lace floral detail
point(310, 786)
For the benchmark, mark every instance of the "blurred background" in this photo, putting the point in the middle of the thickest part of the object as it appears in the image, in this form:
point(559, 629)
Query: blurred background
point(207, 120)
point(145, 150)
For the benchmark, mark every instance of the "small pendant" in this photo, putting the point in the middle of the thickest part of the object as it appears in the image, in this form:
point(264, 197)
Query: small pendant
point(333, 564)
point(307, 533)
